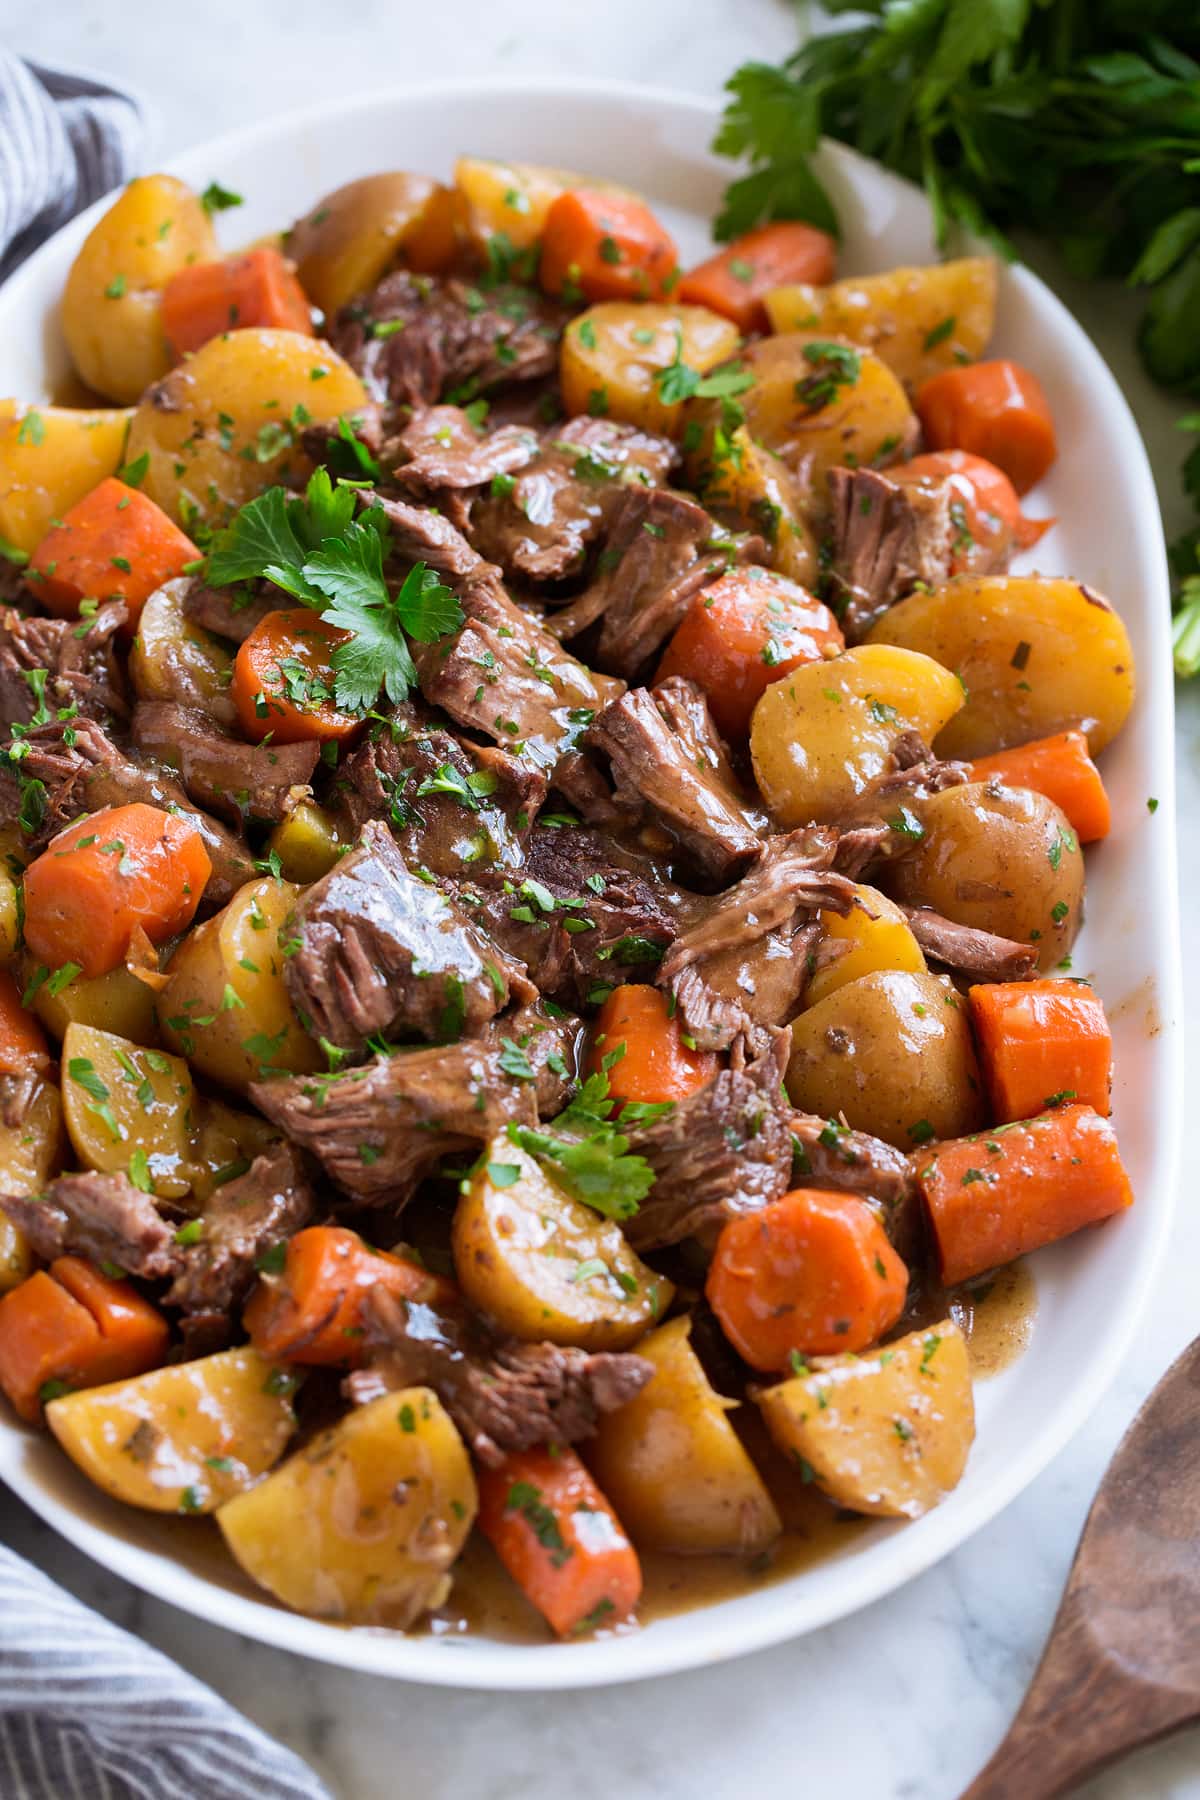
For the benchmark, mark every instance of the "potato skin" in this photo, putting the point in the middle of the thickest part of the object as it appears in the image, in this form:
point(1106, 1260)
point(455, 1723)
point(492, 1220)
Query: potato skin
point(1036, 655)
point(366, 1521)
point(204, 1431)
point(50, 457)
point(879, 938)
point(673, 1466)
point(174, 659)
point(887, 1432)
point(1004, 859)
point(893, 1053)
point(111, 316)
point(606, 367)
point(353, 236)
point(151, 1107)
point(544, 1265)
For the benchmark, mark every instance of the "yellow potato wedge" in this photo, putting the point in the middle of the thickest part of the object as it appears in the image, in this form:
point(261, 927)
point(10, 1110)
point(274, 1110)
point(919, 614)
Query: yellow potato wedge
point(118, 1002)
point(50, 457)
point(352, 237)
point(122, 1102)
point(30, 1153)
point(615, 354)
point(877, 936)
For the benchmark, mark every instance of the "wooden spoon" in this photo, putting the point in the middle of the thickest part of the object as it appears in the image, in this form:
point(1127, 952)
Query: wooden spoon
point(1122, 1667)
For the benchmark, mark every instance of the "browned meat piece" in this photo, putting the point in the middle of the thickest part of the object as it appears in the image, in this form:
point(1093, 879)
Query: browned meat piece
point(915, 773)
point(503, 1395)
point(18, 1092)
point(378, 1129)
point(967, 950)
point(419, 534)
point(232, 612)
point(236, 779)
point(449, 339)
point(541, 527)
point(82, 672)
point(441, 448)
point(667, 761)
point(383, 952)
point(744, 991)
point(795, 871)
point(103, 1217)
point(243, 1219)
point(175, 672)
point(829, 1155)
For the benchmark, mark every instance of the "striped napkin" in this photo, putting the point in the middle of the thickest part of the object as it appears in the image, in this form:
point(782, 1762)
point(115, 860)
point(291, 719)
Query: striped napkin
point(88, 1712)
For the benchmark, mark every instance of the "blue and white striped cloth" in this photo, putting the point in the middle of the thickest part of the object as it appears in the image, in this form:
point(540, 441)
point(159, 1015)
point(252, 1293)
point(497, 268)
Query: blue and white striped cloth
point(88, 1712)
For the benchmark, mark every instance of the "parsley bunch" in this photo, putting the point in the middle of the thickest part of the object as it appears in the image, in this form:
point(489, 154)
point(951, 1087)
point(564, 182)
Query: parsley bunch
point(317, 550)
point(590, 1150)
point(1076, 119)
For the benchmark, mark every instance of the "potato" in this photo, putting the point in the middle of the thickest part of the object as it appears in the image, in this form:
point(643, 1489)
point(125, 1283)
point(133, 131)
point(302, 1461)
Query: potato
point(120, 1099)
point(1004, 859)
point(225, 424)
point(823, 733)
point(365, 1522)
point(174, 659)
point(10, 918)
point(30, 1153)
point(306, 843)
point(513, 198)
point(763, 494)
point(879, 938)
point(225, 1141)
point(116, 1002)
point(892, 1052)
point(917, 321)
point(544, 1265)
point(50, 457)
point(612, 353)
point(1035, 654)
point(887, 1432)
point(817, 402)
point(350, 239)
point(181, 1439)
point(111, 314)
point(225, 1006)
point(674, 1467)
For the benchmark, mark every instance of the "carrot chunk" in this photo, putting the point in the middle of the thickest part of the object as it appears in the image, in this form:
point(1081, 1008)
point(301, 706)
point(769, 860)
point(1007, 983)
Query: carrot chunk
point(114, 544)
point(996, 410)
point(72, 1328)
point(812, 1273)
point(309, 1311)
point(1061, 768)
point(992, 519)
point(22, 1041)
point(257, 288)
point(643, 1050)
point(600, 245)
point(283, 680)
point(1040, 1043)
point(744, 632)
point(998, 1195)
point(133, 1334)
point(734, 281)
point(105, 876)
point(560, 1540)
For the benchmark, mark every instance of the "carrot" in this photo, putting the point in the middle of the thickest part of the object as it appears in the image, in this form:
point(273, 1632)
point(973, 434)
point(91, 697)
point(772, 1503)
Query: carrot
point(308, 1312)
point(1061, 768)
point(744, 632)
point(22, 1040)
point(991, 511)
point(811, 1273)
point(73, 1327)
point(643, 1050)
point(107, 874)
point(997, 410)
point(734, 281)
point(999, 1194)
point(559, 1539)
point(283, 680)
point(258, 288)
point(599, 245)
point(114, 544)
point(1040, 1043)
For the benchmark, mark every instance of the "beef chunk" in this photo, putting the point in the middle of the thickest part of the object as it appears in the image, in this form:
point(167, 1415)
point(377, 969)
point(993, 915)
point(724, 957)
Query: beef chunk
point(743, 991)
point(441, 449)
point(103, 1217)
point(562, 501)
point(383, 952)
point(232, 612)
point(244, 1218)
point(450, 340)
point(419, 534)
point(18, 1092)
point(658, 556)
point(503, 1395)
point(914, 773)
point(668, 761)
point(452, 805)
point(379, 1129)
point(82, 672)
point(829, 1155)
point(236, 779)
point(968, 951)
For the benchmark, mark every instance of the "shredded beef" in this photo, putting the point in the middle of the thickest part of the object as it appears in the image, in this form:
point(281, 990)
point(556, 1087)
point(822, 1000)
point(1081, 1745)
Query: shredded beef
point(79, 659)
point(913, 773)
point(504, 1396)
point(743, 991)
point(969, 951)
point(231, 613)
point(418, 534)
point(102, 1217)
point(441, 448)
point(243, 1219)
point(233, 778)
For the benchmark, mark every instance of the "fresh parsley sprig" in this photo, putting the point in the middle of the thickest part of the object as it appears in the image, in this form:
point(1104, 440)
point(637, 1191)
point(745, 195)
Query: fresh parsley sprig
point(589, 1150)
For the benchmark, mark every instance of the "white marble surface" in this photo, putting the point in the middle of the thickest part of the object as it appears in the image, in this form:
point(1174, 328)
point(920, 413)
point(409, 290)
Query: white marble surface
point(907, 1699)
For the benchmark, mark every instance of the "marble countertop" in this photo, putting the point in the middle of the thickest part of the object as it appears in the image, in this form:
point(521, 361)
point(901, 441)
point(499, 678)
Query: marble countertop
point(906, 1700)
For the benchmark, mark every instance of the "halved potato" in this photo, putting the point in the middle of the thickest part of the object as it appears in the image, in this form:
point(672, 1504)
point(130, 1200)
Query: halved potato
point(50, 457)
point(10, 918)
point(116, 1002)
point(877, 935)
point(674, 1467)
point(364, 1523)
point(887, 1432)
point(306, 843)
point(513, 198)
point(30, 1153)
point(1035, 654)
point(173, 658)
point(121, 1100)
point(350, 239)
point(764, 495)
point(614, 356)
point(918, 321)
point(544, 1265)
point(185, 1438)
